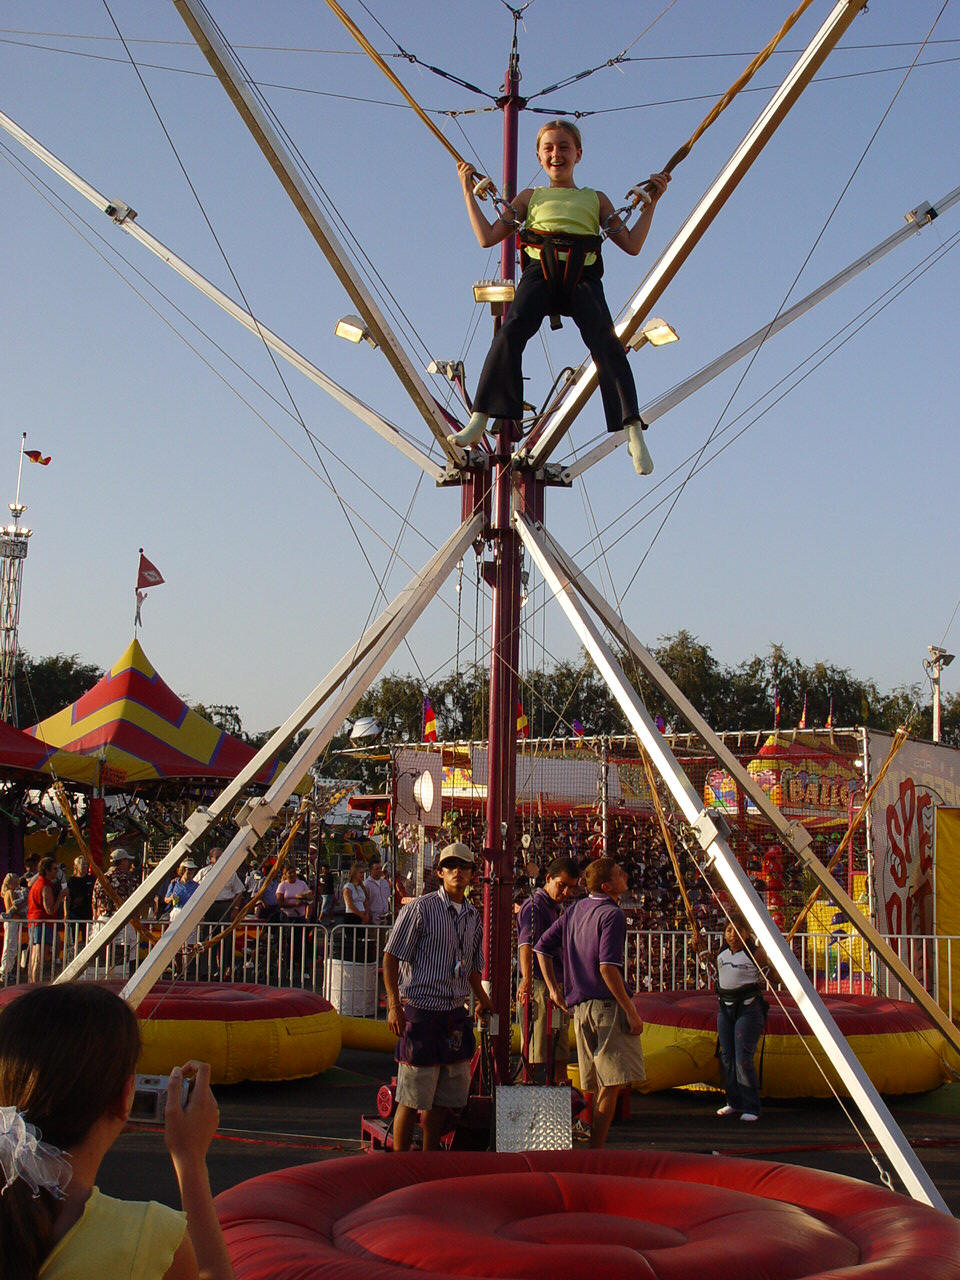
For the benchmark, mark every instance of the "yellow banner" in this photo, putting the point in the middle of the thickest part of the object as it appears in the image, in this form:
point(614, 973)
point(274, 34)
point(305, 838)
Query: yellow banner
point(947, 901)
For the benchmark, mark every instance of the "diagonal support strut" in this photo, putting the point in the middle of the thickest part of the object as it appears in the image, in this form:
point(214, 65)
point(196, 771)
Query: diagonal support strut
point(711, 833)
point(348, 680)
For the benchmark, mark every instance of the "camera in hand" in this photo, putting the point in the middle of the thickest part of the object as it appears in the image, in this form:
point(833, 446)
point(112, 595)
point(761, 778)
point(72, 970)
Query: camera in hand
point(150, 1099)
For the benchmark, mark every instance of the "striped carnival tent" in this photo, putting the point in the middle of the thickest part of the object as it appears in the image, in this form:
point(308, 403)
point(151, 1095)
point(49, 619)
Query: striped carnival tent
point(139, 730)
point(21, 754)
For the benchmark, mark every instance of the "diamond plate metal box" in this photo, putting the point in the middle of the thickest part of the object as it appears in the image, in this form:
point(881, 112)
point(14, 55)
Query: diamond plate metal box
point(533, 1118)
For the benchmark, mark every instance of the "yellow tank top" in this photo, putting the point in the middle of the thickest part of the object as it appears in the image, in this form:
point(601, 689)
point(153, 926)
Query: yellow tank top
point(564, 211)
point(117, 1239)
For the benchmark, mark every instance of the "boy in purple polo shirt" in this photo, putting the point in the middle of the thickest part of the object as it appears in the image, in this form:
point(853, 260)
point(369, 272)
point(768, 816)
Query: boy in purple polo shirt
point(536, 916)
point(589, 941)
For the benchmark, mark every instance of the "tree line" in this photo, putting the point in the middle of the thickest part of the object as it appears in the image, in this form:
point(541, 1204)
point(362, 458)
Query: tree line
point(729, 696)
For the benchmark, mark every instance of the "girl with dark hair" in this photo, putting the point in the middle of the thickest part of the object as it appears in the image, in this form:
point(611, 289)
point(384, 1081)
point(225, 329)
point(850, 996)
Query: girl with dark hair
point(68, 1056)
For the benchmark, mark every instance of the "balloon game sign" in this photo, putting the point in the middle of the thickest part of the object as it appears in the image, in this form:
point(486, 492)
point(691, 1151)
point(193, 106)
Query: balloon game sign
point(922, 777)
point(805, 775)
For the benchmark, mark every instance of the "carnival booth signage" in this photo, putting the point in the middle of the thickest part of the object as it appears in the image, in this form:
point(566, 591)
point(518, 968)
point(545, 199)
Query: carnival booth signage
point(806, 775)
point(922, 777)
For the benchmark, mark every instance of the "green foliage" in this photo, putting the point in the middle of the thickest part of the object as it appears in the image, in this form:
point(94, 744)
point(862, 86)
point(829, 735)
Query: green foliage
point(47, 685)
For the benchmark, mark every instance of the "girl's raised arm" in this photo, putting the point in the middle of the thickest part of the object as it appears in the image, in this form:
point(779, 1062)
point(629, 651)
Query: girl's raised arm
point(488, 233)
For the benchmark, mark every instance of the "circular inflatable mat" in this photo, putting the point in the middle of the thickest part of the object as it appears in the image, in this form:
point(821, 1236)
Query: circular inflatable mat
point(897, 1045)
point(620, 1215)
point(245, 1032)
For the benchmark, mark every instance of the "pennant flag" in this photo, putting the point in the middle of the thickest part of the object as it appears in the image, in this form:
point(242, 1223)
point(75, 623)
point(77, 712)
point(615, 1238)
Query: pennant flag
point(829, 724)
point(429, 722)
point(803, 714)
point(36, 456)
point(578, 728)
point(661, 724)
point(148, 575)
point(776, 708)
point(523, 725)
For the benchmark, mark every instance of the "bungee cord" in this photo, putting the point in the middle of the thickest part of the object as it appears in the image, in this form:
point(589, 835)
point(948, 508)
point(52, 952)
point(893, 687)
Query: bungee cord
point(819, 236)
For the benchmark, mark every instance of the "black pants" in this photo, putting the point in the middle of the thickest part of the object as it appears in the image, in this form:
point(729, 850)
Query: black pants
point(500, 389)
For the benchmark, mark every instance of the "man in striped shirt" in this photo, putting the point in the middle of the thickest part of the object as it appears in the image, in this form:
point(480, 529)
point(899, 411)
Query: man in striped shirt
point(433, 959)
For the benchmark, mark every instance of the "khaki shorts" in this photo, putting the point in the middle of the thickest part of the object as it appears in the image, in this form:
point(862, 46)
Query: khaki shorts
point(540, 1030)
point(606, 1052)
point(423, 1088)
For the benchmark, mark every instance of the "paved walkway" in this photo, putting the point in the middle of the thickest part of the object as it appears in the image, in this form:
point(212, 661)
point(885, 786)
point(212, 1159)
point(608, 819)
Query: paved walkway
point(271, 1126)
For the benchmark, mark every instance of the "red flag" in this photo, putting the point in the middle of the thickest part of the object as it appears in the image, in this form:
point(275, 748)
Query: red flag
point(829, 724)
point(148, 575)
point(803, 714)
point(523, 725)
point(429, 722)
point(36, 456)
point(776, 708)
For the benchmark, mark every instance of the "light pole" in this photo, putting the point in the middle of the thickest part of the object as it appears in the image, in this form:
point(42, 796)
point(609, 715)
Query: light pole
point(939, 658)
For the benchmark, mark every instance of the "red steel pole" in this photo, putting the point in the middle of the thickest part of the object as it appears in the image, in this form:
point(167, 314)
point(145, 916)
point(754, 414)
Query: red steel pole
point(500, 842)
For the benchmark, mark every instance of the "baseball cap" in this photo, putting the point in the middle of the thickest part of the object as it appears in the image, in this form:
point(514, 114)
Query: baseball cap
point(121, 855)
point(457, 850)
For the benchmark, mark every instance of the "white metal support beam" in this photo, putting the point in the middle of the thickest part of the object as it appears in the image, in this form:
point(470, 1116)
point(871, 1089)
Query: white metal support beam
point(544, 441)
point(228, 73)
point(711, 830)
point(916, 219)
point(794, 835)
point(126, 219)
point(370, 652)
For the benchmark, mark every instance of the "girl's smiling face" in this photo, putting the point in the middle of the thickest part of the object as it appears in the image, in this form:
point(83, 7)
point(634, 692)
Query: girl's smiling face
point(558, 153)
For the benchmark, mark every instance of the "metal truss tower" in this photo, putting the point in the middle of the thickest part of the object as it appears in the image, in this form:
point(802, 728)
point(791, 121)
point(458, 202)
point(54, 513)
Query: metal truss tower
point(14, 544)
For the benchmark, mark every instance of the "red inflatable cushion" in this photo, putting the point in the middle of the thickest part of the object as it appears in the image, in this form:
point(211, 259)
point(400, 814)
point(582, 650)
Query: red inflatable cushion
point(215, 1001)
point(578, 1216)
point(854, 1015)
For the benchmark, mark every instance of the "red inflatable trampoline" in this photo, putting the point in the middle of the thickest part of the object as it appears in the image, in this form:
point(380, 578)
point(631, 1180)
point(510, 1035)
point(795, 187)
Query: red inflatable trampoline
point(571, 1215)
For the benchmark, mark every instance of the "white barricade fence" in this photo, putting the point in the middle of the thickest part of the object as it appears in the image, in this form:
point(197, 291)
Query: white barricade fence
point(837, 964)
point(343, 963)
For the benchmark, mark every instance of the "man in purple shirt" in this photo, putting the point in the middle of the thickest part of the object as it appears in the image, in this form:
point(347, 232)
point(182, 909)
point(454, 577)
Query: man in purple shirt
point(536, 916)
point(589, 942)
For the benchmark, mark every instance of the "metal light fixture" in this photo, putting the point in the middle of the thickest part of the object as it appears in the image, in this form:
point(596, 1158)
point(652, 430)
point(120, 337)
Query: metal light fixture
point(496, 292)
point(655, 331)
point(353, 329)
point(939, 658)
point(450, 369)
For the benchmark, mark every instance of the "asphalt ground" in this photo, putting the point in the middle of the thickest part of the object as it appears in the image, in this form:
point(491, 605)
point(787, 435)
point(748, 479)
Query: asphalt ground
point(273, 1126)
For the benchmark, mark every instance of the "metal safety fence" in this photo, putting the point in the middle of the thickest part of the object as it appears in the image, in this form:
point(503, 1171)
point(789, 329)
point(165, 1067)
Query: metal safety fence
point(343, 962)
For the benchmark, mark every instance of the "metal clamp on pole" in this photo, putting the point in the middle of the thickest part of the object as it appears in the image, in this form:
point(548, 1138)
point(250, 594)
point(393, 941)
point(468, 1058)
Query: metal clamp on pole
point(257, 814)
point(708, 827)
point(198, 821)
point(120, 212)
point(800, 840)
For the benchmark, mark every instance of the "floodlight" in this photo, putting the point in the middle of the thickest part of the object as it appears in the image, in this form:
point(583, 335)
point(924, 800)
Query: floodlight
point(494, 291)
point(655, 331)
point(353, 329)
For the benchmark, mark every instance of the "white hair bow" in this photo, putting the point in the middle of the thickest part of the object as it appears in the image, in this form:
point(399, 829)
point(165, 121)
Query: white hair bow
point(23, 1155)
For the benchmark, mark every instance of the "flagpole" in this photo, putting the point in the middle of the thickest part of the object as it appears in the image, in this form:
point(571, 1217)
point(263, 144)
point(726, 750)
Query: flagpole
point(16, 509)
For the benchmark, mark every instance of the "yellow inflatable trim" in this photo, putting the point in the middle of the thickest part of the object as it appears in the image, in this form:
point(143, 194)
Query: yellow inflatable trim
point(250, 1049)
point(900, 1062)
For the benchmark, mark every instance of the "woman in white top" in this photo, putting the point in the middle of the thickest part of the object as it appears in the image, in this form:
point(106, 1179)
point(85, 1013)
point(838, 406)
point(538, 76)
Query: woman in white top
point(740, 1021)
point(355, 896)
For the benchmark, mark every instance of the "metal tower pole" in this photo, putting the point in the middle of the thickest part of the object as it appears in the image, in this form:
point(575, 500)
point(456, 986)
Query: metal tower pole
point(504, 578)
point(13, 552)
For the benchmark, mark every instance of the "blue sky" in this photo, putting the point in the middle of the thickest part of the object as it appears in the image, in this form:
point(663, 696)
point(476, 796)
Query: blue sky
point(829, 526)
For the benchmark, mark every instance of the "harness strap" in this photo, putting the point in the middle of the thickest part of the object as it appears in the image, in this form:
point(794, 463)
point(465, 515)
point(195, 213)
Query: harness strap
point(562, 259)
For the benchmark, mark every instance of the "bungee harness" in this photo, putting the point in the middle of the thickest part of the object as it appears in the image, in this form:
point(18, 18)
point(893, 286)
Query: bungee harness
point(562, 259)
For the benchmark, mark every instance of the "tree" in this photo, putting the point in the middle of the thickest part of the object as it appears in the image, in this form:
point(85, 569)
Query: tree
point(47, 685)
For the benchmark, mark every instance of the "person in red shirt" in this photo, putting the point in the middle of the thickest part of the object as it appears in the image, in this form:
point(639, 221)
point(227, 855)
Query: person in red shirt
point(44, 902)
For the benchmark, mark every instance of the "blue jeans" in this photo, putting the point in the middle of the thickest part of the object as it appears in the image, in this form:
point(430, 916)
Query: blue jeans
point(738, 1042)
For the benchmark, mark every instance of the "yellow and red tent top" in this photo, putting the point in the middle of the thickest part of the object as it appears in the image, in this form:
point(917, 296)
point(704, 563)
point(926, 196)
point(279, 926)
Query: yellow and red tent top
point(21, 754)
point(139, 730)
